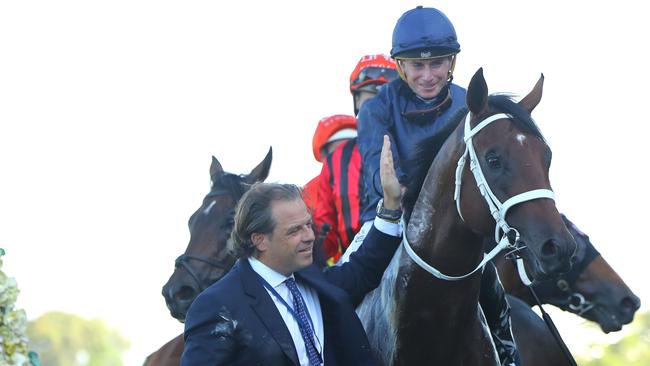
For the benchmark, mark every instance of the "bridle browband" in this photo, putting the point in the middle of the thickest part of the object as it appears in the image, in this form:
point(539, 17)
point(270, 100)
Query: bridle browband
point(510, 238)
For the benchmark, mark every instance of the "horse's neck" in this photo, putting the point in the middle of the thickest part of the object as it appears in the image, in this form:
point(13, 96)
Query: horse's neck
point(439, 319)
point(447, 245)
point(435, 229)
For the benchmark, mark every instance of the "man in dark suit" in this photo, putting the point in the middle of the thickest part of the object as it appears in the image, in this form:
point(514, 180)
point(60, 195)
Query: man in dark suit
point(275, 307)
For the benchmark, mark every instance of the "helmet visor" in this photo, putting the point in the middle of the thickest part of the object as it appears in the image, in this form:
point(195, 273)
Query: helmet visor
point(373, 75)
point(426, 53)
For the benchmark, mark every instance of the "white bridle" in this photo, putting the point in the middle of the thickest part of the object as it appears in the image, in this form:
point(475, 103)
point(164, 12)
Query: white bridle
point(497, 209)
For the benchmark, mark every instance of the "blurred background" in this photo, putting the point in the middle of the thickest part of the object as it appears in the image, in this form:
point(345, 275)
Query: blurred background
point(110, 113)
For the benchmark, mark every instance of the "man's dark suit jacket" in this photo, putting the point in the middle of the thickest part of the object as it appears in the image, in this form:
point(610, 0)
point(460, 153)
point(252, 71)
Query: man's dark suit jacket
point(236, 322)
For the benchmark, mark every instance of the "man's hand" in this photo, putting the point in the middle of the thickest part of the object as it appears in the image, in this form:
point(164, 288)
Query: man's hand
point(389, 182)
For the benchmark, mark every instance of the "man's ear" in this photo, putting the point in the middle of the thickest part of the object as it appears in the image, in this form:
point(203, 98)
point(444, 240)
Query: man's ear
point(259, 241)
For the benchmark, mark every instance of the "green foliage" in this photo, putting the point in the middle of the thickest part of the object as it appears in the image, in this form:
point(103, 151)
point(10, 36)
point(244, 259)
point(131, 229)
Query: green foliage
point(632, 350)
point(13, 340)
point(68, 339)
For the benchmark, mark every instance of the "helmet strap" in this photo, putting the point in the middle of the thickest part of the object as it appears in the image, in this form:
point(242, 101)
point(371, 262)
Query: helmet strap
point(400, 72)
point(450, 73)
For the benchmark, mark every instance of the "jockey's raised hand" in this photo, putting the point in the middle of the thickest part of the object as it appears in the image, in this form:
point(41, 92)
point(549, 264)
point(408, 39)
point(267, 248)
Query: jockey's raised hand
point(389, 183)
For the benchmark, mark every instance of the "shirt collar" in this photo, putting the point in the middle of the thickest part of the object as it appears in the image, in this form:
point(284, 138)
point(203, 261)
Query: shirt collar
point(271, 276)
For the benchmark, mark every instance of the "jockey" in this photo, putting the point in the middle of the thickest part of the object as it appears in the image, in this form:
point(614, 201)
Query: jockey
point(335, 192)
point(371, 72)
point(419, 105)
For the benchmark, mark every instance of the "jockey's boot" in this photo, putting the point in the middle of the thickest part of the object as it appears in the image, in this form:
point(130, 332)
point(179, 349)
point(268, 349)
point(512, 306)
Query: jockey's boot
point(497, 313)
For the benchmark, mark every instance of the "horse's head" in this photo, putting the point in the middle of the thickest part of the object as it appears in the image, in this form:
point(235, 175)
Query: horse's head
point(207, 257)
point(510, 163)
point(591, 289)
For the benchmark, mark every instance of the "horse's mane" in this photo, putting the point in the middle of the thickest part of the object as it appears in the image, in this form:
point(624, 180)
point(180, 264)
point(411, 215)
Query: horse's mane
point(522, 119)
point(424, 153)
point(427, 149)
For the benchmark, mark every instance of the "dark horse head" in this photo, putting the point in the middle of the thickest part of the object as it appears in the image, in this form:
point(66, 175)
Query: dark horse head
point(514, 160)
point(591, 289)
point(207, 257)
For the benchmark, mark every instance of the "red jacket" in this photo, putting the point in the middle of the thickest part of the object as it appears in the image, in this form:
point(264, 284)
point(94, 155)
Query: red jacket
point(337, 200)
point(310, 193)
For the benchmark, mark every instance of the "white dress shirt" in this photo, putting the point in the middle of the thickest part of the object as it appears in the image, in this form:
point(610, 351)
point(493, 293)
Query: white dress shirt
point(386, 227)
point(276, 280)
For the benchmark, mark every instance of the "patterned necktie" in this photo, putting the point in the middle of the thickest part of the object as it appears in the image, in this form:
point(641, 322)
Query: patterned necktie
point(306, 330)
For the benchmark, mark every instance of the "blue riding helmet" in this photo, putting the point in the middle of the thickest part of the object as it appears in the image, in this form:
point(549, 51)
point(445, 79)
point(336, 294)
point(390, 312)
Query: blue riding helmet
point(424, 33)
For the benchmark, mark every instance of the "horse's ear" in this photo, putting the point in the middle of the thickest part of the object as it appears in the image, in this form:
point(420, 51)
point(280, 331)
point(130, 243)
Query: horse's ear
point(261, 172)
point(477, 94)
point(215, 168)
point(531, 100)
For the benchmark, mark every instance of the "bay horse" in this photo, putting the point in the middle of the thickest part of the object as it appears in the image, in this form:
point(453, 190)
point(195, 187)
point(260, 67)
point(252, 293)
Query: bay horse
point(168, 355)
point(210, 226)
point(207, 258)
point(414, 318)
point(591, 289)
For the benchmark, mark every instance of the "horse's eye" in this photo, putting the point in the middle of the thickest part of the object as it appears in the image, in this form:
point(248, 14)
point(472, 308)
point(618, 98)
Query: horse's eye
point(228, 224)
point(493, 161)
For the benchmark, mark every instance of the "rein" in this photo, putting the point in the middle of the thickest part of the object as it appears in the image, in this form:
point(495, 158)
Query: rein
point(510, 237)
point(553, 329)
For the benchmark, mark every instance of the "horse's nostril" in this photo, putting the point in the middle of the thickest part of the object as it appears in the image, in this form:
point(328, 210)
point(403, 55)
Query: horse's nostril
point(574, 259)
point(629, 305)
point(550, 248)
point(185, 293)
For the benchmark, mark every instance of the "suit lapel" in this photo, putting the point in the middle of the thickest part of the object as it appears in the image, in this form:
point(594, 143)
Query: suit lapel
point(266, 310)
